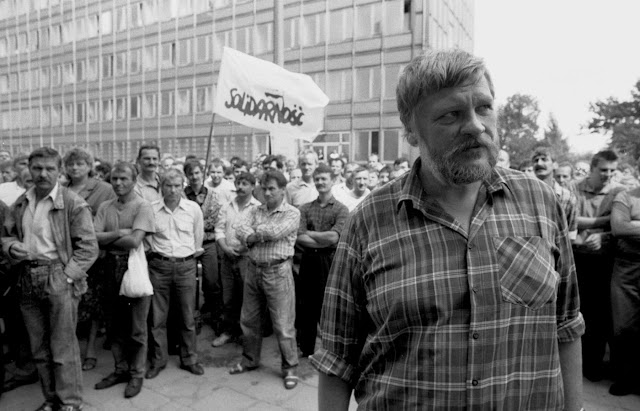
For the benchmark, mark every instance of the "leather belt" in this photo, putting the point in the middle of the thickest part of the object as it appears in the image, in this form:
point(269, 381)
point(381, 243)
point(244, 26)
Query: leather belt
point(172, 259)
point(41, 263)
point(270, 263)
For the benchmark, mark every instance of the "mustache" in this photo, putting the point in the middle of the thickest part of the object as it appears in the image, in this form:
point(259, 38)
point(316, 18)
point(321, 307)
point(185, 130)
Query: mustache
point(468, 144)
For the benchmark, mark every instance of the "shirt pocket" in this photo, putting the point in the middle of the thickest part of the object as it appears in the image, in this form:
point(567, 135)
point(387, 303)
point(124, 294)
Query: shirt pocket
point(526, 269)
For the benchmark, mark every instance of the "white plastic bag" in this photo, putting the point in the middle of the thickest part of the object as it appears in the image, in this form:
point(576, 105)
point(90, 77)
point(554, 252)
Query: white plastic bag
point(135, 282)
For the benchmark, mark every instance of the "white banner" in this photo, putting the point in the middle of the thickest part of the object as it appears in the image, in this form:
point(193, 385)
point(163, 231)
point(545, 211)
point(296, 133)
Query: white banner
point(261, 94)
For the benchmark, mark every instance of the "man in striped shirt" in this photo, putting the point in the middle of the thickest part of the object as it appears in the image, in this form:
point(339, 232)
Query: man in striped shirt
point(453, 287)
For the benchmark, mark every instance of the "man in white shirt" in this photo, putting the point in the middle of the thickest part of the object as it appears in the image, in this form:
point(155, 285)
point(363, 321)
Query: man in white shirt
point(216, 182)
point(173, 247)
point(360, 190)
point(303, 191)
point(10, 191)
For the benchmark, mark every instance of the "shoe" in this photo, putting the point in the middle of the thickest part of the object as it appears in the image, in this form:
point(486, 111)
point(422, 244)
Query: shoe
point(19, 381)
point(195, 369)
point(46, 406)
point(239, 369)
point(290, 379)
point(221, 340)
point(133, 387)
point(70, 408)
point(620, 389)
point(111, 380)
point(153, 372)
point(89, 364)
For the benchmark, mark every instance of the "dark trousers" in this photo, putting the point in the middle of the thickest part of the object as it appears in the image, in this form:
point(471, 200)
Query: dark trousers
point(232, 272)
point(625, 307)
point(211, 282)
point(179, 277)
point(594, 282)
point(312, 279)
point(129, 324)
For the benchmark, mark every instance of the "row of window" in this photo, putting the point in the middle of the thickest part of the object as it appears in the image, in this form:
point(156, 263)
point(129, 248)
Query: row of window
point(149, 105)
point(374, 19)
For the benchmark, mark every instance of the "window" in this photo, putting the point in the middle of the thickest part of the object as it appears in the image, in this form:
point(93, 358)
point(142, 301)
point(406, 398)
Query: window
point(134, 107)
point(107, 66)
point(221, 39)
point(339, 85)
point(56, 35)
point(367, 83)
point(149, 12)
point(4, 83)
point(80, 72)
point(391, 75)
point(134, 61)
point(149, 105)
point(166, 106)
point(56, 75)
point(184, 52)
point(136, 15)
point(243, 39)
point(106, 23)
point(121, 19)
point(203, 49)
point(292, 33)
point(68, 32)
point(34, 40)
point(23, 80)
point(204, 99)
point(69, 73)
point(67, 116)
point(44, 37)
point(56, 115)
point(44, 77)
point(263, 40)
point(80, 28)
point(365, 142)
point(107, 109)
point(313, 30)
point(35, 79)
point(92, 68)
point(167, 9)
point(340, 25)
point(93, 22)
point(168, 55)
point(390, 144)
point(22, 42)
point(150, 58)
point(121, 64)
point(80, 113)
point(3, 47)
point(5, 120)
point(395, 18)
point(121, 108)
point(13, 82)
point(183, 104)
point(45, 118)
point(34, 120)
point(93, 111)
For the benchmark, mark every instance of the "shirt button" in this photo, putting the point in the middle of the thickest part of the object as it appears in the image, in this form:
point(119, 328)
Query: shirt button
point(474, 382)
point(474, 289)
point(470, 246)
point(476, 336)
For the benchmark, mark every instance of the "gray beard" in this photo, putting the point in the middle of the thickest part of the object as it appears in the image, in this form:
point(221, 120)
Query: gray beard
point(453, 172)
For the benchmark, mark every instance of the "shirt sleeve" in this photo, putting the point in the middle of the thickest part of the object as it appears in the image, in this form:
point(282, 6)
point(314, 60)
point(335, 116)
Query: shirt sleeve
point(342, 213)
point(277, 229)
point(198, 226)
point(344, 321)
point(221, 226)
point(145, 219)
point(98, 220)
point(304, 211)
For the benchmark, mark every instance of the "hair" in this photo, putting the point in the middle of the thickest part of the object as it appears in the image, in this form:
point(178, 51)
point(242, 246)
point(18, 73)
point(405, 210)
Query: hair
point(246, 176)
point(240, 163)
point(605, 155)
point(7, 164)
point(77, 154)
point(276, 176)
point(433, 71)
point(124, 166)
point(172, 173)
point(190, 165)
point(543, 149)
point(228, 171)
point(46, 152)
point(322, 169)
point(341, 160)
point(20, 157)
point(359, 169)
point(216, 162)
point(105, 168)
point(385, 169)
point(148, 147)
point(235, 159)
point(270, 159)
point(401, 160)
point(305, 153)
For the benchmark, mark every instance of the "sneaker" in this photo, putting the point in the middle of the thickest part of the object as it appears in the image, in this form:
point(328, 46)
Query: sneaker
point(221, 340)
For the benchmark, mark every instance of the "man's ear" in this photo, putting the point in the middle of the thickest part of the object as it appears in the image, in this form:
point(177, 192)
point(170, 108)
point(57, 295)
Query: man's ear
point(412, 138)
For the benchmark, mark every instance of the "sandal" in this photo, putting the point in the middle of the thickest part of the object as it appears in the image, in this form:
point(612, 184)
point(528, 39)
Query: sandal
point(239, 369)
point(89, 364)
point(290, 382)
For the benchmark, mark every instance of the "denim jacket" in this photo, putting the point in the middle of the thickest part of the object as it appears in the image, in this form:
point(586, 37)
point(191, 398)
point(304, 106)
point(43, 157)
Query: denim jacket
point(72, 228)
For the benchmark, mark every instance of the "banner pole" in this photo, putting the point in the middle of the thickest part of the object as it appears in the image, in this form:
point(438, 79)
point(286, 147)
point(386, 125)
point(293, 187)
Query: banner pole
point(207, 159)
point(269, 143)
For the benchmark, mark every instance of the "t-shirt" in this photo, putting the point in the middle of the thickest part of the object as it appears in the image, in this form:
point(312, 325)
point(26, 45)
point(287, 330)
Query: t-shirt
point(136, 214)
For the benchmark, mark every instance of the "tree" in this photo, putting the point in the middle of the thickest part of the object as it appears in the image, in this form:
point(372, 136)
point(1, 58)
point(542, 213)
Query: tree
point(518, 125)
point(553, 136)
point(622, 120)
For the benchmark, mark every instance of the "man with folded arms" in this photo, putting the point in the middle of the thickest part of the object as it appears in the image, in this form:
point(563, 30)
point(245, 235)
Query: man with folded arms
point(270, 232)
point(121, 225)
point(172, 268)
point(50, 234)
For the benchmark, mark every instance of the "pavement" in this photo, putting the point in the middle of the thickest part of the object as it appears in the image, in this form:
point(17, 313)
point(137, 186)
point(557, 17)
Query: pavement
point(175, 389)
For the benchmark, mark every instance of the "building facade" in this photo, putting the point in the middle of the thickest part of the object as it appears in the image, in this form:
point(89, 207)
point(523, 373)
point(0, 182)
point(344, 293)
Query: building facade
point(110, 75)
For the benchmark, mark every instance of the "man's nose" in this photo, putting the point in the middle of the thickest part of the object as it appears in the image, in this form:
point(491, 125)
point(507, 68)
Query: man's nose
point(472, 125)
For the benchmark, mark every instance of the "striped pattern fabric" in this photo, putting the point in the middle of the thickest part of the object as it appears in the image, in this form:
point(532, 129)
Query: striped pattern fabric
point(419, 314)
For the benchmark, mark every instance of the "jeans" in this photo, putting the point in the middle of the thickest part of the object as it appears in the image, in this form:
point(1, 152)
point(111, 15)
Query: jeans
point(211, 282)
point(172, 279)
point(232, 272)
point(50, 312)
point(269, 289)
point(129, 324)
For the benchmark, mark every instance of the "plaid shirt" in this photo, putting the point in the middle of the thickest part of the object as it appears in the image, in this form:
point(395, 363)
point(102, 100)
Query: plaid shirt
point(419, 314)
point(568, 202)
point(331, 217)
point(277, 231)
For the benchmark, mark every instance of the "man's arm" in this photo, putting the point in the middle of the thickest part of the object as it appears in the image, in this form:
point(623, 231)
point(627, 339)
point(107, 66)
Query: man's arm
point(281, 227)
point(306, 241)
point(325, 238)
point(130, 241)
point(584, 223)
point(334, 394)
point(85, 245)
point(571, 366)
point(621, 223)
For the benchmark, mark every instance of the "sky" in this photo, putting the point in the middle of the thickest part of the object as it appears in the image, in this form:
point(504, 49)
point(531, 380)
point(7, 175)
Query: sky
point(566, 53)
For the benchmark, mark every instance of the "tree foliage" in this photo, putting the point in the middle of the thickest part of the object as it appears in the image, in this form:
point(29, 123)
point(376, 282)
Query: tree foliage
point(554, 137)
point(518, 126)
point(622, 120)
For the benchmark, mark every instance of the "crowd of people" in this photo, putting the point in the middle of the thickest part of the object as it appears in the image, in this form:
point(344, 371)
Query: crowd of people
point(422, 278)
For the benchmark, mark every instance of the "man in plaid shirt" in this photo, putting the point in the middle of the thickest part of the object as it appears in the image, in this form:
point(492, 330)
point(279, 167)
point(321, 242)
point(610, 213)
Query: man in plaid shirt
point(453, 287)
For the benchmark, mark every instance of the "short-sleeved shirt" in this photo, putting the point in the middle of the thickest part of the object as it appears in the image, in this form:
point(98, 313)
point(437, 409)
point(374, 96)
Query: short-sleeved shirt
point(150, 191)
point(135, 214)
point(330, 217)
point(568, 202)
point(300, 192)
point(419, 314)
point(630, 200)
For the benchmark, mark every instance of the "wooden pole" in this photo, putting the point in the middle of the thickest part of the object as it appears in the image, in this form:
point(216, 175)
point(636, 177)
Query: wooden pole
point(207, 160)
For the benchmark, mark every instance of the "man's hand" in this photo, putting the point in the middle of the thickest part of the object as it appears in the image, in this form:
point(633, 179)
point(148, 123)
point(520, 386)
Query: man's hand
point(19, 251)
point(229, 251)
point(124, 232)
point(593, 241)
point(198, 252)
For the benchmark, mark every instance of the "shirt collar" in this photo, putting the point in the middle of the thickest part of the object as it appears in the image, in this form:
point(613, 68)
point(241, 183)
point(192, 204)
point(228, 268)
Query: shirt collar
point(53, 194)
